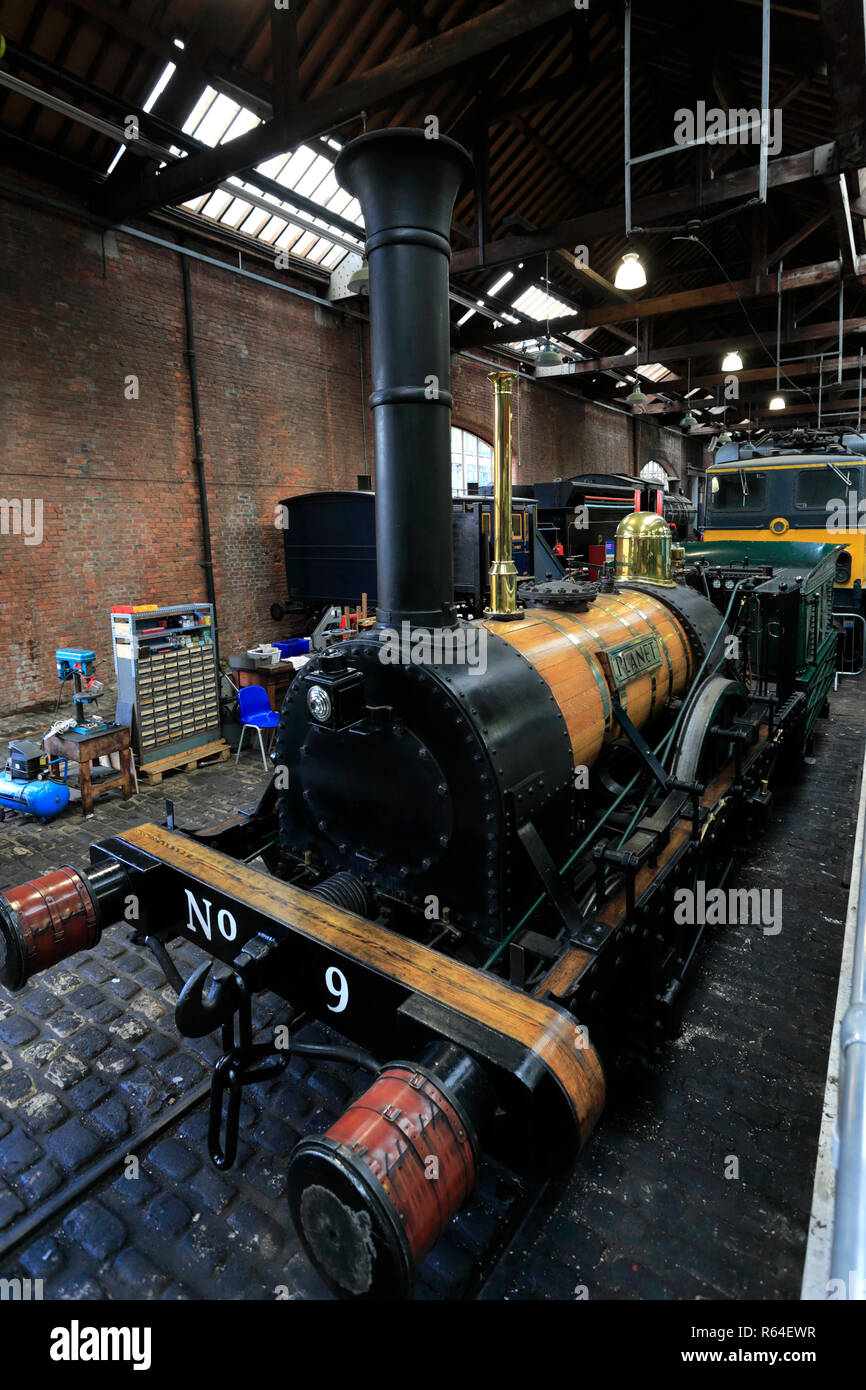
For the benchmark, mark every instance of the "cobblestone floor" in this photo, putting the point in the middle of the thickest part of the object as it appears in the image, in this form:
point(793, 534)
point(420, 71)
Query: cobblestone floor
point(89, 1055)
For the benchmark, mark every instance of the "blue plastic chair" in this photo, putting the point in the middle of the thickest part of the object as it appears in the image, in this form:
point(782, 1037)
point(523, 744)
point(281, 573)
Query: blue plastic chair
point(256, 713)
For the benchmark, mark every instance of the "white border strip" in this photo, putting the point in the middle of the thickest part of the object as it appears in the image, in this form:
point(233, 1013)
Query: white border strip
point(816, 1266)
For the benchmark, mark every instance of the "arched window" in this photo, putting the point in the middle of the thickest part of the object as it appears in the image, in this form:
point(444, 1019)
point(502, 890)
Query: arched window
point(653, 472)
point(471, 462)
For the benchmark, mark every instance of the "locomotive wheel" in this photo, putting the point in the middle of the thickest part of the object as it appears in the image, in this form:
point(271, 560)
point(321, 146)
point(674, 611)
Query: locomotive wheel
point(697, 755)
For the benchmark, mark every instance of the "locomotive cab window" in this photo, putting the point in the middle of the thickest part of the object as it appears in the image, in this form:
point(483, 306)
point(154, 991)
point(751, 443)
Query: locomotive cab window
point(742, 490)
point(816, 487)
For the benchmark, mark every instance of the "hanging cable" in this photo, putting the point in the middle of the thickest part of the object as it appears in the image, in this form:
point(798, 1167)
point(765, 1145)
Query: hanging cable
point(758, 337)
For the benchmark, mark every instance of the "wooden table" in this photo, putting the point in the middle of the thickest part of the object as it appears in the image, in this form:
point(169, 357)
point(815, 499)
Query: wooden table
point(275, 680)
point(88, 749)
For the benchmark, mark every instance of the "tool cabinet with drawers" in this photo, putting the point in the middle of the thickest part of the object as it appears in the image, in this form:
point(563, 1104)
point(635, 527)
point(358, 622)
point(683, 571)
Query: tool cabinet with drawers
point(165, 659)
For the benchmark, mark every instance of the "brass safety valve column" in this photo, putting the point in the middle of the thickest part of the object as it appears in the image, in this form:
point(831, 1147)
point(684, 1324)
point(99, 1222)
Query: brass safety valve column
point(503, 571)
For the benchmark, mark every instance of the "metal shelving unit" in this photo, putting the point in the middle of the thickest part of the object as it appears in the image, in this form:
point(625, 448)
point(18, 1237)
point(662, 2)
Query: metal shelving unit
point(169, 677)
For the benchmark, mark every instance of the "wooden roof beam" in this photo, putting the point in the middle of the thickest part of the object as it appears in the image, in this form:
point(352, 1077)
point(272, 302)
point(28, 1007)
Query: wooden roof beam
point(742, 183)
point(681, 352)
point(810, 367)
point(756, 287)
point(825, 272)
point(405, 72)
point(802, 232)
point(241, 87)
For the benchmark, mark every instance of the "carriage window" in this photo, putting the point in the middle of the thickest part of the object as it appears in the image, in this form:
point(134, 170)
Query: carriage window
point(815, 487)
point(517, 526)
point(742, 490)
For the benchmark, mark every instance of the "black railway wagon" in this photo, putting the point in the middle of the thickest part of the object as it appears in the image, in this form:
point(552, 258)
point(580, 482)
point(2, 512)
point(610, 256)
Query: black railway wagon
point(329, 541)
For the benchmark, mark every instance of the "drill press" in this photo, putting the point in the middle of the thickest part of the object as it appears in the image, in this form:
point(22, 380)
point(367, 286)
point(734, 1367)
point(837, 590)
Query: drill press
point(78, 663)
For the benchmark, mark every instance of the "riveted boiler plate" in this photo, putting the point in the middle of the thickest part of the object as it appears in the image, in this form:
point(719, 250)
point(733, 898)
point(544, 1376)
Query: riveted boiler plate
point(380, 793)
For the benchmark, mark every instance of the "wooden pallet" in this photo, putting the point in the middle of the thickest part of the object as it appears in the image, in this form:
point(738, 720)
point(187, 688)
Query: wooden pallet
point(188, 761)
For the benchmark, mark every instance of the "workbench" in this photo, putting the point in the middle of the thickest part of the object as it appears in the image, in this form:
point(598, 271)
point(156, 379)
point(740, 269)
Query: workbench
point(85, 750)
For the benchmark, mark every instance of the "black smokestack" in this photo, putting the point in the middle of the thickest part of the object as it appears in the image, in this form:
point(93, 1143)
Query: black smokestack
point(406, 185)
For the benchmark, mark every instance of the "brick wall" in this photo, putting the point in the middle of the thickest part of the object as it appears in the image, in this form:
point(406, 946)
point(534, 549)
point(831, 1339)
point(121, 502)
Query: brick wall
point(554, 435)
point(281, 408)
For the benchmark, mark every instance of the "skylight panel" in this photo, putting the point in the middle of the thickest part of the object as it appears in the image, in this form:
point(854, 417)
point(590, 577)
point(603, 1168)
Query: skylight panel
point(339, 202)
point(655, 371)
point(243, 121)
point(199, 111)
point(272, 229)
point(252, 225)
point(152, 97)
point(216, 204)
point(500, 283)
point(217, 121)
point(309, 183)
point(333, 258)
point(539, 305)
point(235, 213)
point(297, 166)
point(272, 167)
point(289, 236)
point(319, 250)
point(328, 187)
point(161, 83)
point(307, 241)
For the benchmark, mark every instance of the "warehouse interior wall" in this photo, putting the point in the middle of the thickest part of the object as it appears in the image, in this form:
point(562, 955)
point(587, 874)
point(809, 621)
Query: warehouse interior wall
point(98, 495)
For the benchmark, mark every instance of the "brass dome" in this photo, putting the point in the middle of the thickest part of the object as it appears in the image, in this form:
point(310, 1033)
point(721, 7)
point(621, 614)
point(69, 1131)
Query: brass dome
point(643, 550)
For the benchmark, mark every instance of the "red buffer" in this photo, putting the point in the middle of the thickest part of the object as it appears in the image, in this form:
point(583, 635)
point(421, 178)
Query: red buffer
point(371, 1197)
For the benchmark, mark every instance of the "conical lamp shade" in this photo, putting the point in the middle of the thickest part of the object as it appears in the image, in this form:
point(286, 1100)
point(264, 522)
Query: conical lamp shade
point(548, 356)
point(630, 273)
point(359, 280)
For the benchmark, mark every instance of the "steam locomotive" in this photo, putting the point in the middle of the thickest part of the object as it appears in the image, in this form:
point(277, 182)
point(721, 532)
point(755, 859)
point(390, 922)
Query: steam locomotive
point(475, 831)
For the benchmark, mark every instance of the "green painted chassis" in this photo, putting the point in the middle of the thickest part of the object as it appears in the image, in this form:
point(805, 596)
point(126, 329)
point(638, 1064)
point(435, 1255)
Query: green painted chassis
point(809, 567)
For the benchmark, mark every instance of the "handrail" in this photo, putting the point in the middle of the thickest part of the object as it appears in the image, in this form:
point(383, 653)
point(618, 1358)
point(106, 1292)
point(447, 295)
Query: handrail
point(847, 661)
point(848, 1261)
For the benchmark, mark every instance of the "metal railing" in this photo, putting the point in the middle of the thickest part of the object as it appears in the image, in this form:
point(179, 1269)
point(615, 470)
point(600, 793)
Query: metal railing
point(848, 1262)
point(852, 644)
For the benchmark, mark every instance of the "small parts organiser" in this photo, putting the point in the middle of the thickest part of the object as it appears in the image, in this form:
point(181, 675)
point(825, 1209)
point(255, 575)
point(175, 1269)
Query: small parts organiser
point(165, 661)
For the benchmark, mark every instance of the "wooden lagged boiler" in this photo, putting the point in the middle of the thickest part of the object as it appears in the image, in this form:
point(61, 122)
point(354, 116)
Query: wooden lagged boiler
point(474, 832)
